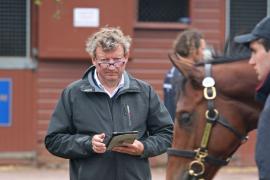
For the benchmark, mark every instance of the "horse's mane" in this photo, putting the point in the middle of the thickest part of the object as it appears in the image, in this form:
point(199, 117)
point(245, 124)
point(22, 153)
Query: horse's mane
point(232, 52)
point(225, 59)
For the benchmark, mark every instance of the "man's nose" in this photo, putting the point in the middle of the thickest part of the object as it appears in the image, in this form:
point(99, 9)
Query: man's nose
point(111, 66)
point(251, 61)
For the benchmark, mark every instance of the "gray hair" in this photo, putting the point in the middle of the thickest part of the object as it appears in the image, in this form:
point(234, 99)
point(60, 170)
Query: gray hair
point(108, 38)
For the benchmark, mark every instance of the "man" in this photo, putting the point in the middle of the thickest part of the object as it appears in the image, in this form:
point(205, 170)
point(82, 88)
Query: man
point(259, 43)
point(107, 99)
point(189, 45)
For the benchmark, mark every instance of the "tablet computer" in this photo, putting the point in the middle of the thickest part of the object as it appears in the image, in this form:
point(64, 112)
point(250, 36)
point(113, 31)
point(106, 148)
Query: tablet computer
point(121, 138)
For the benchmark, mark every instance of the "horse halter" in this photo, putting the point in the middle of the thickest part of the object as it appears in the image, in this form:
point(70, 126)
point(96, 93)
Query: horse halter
point(196, 167)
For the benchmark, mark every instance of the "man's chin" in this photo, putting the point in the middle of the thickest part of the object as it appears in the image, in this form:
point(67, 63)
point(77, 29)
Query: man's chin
point(112, 78)
point(261, 78)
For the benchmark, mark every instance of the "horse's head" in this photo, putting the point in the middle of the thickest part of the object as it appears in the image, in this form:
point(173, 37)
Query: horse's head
point(215, 111)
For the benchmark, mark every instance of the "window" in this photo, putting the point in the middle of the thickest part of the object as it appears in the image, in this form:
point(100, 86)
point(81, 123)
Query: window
point(14, 34)
point(242, 16)
point(245, 14)
point(12, 28)
point(163, 11)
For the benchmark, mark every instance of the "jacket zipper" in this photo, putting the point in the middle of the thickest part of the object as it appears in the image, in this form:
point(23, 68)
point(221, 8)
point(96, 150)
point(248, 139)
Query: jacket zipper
point(129, 116)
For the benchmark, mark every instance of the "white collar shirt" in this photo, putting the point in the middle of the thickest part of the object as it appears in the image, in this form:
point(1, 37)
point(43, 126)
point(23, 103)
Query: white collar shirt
point(120, 85)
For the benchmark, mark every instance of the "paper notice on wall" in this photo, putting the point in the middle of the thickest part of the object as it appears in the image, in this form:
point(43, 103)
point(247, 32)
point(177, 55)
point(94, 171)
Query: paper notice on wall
point(86, 17)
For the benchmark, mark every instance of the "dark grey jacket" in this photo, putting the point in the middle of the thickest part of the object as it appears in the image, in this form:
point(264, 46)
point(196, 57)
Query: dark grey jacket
point(263, 133)
point(171, 89)
point(85, 110)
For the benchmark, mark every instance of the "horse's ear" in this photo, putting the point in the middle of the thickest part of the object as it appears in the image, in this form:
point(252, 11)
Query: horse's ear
point(187, 68)
point(182, 64)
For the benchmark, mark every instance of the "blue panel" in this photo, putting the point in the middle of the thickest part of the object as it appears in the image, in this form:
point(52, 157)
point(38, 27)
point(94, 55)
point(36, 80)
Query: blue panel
point(5, 102)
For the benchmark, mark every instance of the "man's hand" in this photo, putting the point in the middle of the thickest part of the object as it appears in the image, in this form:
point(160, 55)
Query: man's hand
point(97, 143)
point(136, 148)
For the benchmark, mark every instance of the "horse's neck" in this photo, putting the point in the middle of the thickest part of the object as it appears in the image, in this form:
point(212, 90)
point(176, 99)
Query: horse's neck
point(237, 80)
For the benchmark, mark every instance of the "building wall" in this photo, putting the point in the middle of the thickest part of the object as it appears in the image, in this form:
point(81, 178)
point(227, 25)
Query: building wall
point(52, 77)
point(150, 57)
point(209, 17)
point(18, 139)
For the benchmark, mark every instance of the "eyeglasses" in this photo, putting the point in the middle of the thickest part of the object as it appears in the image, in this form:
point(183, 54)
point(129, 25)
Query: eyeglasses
point(117, 62)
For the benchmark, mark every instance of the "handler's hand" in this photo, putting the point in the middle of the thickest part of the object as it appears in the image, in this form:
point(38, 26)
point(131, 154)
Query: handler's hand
point(97, 143)
point(136, 148)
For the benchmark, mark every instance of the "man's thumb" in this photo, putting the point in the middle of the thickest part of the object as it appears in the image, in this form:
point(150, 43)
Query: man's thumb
point(102, 135)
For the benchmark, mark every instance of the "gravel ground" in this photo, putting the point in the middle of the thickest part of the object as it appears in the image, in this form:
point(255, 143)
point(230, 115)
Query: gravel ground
point(32, 173)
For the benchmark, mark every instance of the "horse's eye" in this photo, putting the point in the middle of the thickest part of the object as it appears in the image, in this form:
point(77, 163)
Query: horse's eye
point(184, 118)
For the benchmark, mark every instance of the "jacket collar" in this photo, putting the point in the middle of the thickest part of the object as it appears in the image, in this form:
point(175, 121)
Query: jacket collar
point(89, 85)
point(263, 90)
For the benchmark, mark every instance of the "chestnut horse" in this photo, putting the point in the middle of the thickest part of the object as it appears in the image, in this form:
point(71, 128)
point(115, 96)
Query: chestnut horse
point(215, 112)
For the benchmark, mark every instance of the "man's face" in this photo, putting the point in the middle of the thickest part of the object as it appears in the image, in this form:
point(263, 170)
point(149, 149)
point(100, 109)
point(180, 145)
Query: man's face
point(199, 55)
point(110, 65)
point(260, 59)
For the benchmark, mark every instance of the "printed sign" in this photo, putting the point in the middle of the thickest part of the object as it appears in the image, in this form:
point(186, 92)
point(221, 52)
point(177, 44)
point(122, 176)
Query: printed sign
point(5, 102)
point(86, 17)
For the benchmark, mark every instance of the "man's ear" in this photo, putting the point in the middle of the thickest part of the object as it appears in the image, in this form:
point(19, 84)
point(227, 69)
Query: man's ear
point(94, 62)
point(126, 56)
